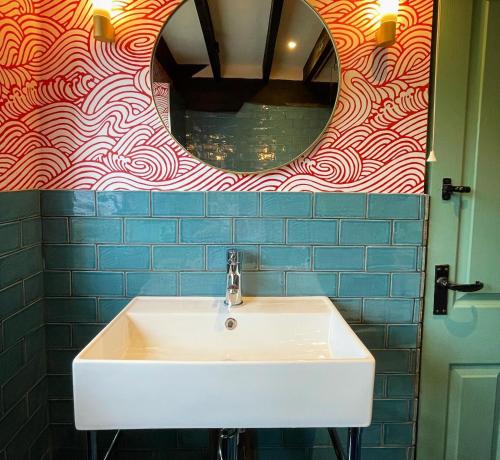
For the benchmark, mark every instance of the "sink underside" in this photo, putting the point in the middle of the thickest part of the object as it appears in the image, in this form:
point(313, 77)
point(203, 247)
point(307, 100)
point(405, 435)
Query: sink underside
point(170, 362)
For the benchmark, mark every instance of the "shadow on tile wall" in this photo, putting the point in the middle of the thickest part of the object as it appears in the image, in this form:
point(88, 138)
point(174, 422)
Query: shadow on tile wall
point(24, 419)
point(363, 251)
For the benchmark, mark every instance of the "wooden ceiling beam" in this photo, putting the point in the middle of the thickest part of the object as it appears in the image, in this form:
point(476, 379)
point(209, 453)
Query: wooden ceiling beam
point(272, 35)
point(176, 72)
point(209, 35)
point(320, 54)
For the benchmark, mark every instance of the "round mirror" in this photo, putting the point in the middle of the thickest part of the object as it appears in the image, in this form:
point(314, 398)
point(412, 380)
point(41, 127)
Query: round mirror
point(245, 85)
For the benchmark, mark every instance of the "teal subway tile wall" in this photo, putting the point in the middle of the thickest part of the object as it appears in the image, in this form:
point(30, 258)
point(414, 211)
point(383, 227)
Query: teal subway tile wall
point(364, 251)
point(24, 417)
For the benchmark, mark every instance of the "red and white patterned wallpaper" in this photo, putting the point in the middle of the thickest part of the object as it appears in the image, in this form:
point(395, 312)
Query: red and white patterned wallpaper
point(78, 114)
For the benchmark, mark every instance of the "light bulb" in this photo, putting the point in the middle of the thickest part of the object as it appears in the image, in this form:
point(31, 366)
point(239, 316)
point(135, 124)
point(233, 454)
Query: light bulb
point(105, 6)
point(386, 33)
point(388, 7)
point(292, 45)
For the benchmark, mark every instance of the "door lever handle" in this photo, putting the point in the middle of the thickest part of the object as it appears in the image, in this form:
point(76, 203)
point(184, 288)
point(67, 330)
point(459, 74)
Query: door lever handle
point(444, 282)
point(442, 285)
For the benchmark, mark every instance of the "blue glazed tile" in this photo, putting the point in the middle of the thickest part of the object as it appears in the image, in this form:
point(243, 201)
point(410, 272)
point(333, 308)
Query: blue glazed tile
point(285, 258)
point(10, 237)
point(217, 257)
point(263, 283)
point(96, 230)
point(386, 453)
point(312, 231)
point(373, 336)
point(150, 230)
point(340, 205)
point(149, 284)
point(310, 283)
point(11, 299)
point(406, 284)
point(379, 386)
point(392, 259)
point(350, 309)
point(69, 310)
point(200, 284)
point(32, 231)
point(57, 284)
point(262, 231)
point(402, 336)
point(179, 258)
point(269, 437)
point(302, 437)
point(97, 283)
point(421, 253)
point(68, 203)
point(365, 232)
point(363, 284)
point(424, 207)
point(59, 361)
point(286, 204)
point(196, 438)
point(18, 265)
point(408, 232)
point(21, 323)
point(123, 204)
point(55, 230)
point(401, 386)
point(58, 335)
point(124, 258)
point(388, 311)
point(398, 434)
point(232, 204)
point(391, 410)
point(109, 308)
point(395, 361)
point(214, 230)
point(384, 206)
point(17, 205)
point(372, 435)
point(417, 311)
point(180, 204)
point(82, 334)
point(70, 256)
point(339, 258)
point(33, 288)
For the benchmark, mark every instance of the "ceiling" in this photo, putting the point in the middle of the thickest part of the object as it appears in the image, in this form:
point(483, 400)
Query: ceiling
point(240, 28)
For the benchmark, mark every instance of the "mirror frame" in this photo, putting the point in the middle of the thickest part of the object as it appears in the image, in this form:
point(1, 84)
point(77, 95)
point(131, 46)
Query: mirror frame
point(262, 171)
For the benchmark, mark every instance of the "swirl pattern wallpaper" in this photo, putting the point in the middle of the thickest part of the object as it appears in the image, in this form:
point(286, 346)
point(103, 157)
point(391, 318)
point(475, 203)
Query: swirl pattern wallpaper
point(79, 114)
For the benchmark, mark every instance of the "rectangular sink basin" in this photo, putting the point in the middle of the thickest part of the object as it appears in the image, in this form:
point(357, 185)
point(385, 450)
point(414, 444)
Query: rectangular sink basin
point(189, 362)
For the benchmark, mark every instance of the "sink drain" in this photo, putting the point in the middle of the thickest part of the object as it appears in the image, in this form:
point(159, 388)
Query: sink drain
point(231, 324)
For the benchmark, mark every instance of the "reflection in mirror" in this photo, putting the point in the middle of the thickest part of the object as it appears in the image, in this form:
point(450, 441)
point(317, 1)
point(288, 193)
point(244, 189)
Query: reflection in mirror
point(245, 86)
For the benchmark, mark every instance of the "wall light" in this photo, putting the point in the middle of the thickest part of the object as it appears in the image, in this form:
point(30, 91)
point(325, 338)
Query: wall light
point(386, 33)
point(103, 29)
point(291, 45)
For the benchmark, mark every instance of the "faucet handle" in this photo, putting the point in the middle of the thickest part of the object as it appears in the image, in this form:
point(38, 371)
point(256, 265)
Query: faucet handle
point(233, 256)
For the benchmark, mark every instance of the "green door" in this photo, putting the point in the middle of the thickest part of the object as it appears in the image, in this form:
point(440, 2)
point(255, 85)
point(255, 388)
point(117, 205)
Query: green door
point(459, 410)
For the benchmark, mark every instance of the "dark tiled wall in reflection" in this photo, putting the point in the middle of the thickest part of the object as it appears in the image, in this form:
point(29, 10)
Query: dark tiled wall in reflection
point(256, 137)
point(363, 251)
point(24, 430)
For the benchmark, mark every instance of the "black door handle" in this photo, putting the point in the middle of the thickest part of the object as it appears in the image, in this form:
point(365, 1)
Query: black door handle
point(477, 286)
point(441, 286)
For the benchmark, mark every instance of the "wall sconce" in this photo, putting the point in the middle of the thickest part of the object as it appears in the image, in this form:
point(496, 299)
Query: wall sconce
point(386, 33)
point(103, 29)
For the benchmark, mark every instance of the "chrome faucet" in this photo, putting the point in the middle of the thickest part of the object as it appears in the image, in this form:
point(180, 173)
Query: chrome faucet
point(233, 287)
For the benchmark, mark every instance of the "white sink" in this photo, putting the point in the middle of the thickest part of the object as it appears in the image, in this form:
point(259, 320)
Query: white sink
point(170, 362)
